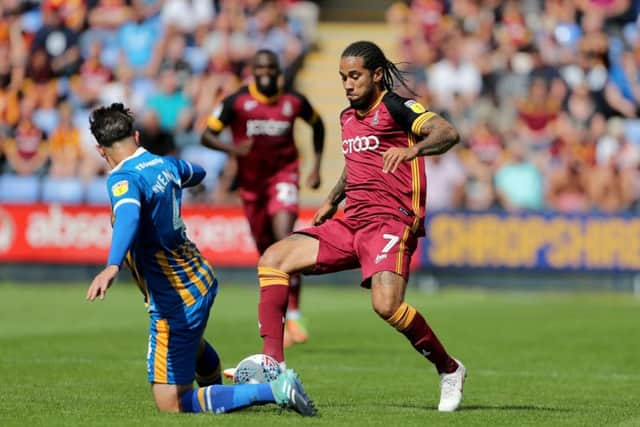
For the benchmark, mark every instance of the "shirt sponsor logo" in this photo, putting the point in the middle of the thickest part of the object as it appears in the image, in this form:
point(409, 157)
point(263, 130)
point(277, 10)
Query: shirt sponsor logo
point(360, 143)
point(415, 106)
point(144, 165)
point(120, 188)
point(267, 127)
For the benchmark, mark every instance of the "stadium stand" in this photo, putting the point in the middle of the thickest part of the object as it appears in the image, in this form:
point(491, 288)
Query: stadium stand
point(543, 92)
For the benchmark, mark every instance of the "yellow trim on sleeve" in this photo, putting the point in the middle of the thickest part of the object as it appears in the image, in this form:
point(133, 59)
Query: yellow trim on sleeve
point(420, 120)
point(215, 124)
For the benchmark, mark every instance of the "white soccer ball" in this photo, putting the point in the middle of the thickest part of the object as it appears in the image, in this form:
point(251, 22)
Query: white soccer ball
point(256, 369)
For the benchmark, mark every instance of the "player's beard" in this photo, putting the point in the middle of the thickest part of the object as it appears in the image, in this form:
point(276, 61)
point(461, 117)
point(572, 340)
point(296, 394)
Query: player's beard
point(364, 102)
point(267, 85)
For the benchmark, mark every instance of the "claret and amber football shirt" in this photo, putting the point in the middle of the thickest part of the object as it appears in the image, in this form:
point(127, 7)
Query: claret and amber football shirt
point(268, 121)
point(393, 121)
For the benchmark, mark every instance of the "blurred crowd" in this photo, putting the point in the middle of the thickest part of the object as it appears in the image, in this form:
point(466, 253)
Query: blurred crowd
point(170, 61)
point(545, 95)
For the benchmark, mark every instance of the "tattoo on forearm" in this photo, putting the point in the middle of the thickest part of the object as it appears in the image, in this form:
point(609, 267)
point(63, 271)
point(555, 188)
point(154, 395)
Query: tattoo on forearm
point(338, 192)
point(439, 136)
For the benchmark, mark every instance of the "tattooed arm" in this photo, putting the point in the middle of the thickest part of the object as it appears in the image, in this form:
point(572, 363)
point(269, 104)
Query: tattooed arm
point(330, 205)
point(438, 137)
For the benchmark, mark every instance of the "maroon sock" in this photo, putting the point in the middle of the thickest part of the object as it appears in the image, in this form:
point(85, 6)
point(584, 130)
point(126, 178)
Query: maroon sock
point(412, 325)
point(274, 290)
point(294, 292)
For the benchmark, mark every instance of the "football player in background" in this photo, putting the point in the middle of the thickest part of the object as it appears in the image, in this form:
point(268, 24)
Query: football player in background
point(384, 184)
point(261, 117)
point(177, 282)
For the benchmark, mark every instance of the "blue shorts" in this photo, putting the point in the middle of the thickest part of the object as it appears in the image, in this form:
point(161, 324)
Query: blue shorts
point(174, 343)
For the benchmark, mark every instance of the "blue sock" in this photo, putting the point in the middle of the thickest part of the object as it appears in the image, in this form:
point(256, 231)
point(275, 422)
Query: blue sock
point(208, 369)
point(226, 398)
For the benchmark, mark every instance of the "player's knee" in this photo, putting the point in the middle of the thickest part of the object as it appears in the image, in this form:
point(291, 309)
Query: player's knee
point(273, 257)
point(385, 308)
point(167, 397)
point(167, 404)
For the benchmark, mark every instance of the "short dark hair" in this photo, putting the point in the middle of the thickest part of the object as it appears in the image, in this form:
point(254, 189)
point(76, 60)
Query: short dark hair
point(373, 58)
point(111, 124)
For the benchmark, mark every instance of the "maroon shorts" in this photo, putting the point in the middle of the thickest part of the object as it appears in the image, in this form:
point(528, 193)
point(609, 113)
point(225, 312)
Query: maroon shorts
point(279, 194)
point(384, 245)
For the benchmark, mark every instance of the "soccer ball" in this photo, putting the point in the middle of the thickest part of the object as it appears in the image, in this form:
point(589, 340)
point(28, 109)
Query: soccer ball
point(256, 369)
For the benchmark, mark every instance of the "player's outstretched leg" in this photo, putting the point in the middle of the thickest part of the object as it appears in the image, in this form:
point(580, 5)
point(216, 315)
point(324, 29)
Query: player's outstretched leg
point(408, 321)
point(451, 388)
point(274, 290)
point(289, 393)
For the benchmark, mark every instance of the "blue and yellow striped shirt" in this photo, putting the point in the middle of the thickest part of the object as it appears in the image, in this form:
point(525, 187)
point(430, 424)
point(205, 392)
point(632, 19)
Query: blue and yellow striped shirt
point(146, 194)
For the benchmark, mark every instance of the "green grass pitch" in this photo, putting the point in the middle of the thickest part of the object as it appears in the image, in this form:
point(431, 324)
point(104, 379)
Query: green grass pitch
point(533, 359)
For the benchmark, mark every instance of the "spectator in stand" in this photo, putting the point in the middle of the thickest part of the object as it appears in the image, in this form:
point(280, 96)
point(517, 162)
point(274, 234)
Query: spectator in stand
point(26, 149)
point(267, 30)
point(519, 183)
point(58, 41)
point(139, 40)
point(613, 187)
point(109, 14)
point(623, 89)
point(174, 59)
point(446, 181)
point(64, 146)
point(154, 138)
point(169, 102)
point(453, 74)
point(186, 15)
point(536, 114)
point(94, 75)
point(411, 46)
point(13, 50)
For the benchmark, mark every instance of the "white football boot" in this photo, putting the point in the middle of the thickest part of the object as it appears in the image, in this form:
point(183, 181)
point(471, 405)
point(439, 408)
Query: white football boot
point(451, 389)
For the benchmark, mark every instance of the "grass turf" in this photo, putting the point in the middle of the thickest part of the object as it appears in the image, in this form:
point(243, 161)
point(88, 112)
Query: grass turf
point(533, 359)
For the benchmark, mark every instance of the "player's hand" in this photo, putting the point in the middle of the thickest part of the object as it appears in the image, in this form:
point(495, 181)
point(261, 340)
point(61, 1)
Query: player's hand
point(101, 282)
point(392, 158)
point(313, 180)
point(243, 148)
point(326, 211)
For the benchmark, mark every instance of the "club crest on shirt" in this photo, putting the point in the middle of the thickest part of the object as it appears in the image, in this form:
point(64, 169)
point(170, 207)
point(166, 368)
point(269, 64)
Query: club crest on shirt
point(120, 188)
point(287, 109)
point(375, 120)
point(415, 106)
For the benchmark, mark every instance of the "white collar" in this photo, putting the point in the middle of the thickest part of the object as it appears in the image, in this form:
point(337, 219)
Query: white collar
point(138, 152)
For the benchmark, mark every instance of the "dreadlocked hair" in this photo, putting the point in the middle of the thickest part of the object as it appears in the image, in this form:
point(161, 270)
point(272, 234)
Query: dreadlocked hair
point(373, 58)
